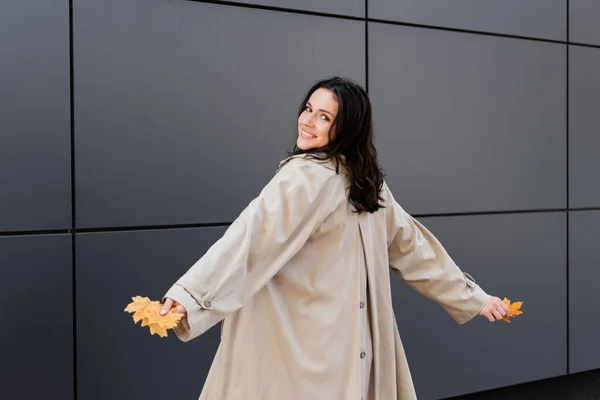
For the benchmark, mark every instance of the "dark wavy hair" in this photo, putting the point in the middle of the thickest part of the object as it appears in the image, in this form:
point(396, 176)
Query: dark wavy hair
point(351, 142)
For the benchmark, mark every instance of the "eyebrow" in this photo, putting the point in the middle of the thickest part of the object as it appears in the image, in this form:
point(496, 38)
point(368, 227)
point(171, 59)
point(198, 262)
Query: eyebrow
point(308, 102)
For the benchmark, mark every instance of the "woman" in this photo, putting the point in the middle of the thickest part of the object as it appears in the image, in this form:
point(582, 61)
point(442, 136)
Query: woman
point(300, 279)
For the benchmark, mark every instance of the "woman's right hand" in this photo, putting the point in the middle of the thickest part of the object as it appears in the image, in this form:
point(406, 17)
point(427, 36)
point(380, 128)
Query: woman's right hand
point(169, 304)
point(495, 309)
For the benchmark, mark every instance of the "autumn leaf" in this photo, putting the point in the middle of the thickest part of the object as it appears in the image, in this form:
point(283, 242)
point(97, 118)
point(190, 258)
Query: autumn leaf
point(149, 313)
point(168, 321)
point(514, 309)
point(138, 306)
point(159, 331)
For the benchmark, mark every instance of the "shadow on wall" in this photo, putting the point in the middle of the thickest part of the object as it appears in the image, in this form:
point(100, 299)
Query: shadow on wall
point(581, 386)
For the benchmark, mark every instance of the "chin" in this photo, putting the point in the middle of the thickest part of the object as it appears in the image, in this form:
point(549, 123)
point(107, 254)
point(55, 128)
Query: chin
point(301, 145)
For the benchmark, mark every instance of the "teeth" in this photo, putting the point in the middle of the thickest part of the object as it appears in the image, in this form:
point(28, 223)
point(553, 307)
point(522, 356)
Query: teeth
point(308, 135)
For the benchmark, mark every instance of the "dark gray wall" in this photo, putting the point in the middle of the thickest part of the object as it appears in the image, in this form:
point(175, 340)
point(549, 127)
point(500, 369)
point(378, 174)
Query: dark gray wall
point(533, 18)
point(36, 344)
point(114, 354)
point(583, 21)
point(584, 125)
point(471, 123)
point(584, 352)
point(485, 121)
point(35, 144)
point(179, 112)
point(520, 256)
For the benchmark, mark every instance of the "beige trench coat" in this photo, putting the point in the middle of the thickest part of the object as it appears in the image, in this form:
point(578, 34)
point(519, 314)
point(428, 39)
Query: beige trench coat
point(286, 281)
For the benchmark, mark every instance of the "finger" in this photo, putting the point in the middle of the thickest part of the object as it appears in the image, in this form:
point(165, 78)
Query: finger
point(502, 311)
point(167, 306)
point(506, 308)
point(497, 315)
point(180, 310)
point(489, 317)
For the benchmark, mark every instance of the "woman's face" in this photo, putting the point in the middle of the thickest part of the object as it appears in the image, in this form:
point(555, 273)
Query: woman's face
point(316, 119)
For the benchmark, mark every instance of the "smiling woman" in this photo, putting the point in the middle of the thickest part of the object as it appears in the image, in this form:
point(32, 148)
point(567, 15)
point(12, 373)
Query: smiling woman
point(316, 120)
point(301, 277)
point(335, 124)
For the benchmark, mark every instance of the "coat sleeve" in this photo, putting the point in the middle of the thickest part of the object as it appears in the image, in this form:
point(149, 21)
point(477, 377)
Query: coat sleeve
point(420, 260)
point(265, 236)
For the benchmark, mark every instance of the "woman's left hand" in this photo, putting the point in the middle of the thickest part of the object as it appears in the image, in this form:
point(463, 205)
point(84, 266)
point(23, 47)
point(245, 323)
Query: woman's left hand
point(169, 303)
point(495, 309)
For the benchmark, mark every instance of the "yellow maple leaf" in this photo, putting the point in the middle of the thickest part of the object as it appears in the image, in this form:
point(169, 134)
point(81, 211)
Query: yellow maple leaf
point(138, 306)
point(162, 332)
point(153, 316)
point(514, 309)
point(149, 313)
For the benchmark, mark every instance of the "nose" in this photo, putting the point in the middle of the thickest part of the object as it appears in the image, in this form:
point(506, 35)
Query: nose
point(307, 120)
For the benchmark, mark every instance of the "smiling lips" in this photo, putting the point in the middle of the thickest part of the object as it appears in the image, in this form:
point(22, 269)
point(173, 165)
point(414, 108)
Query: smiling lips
point(306, 135)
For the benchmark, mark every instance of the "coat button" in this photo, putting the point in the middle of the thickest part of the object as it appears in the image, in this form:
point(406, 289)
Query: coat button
point(362, 354)
point(207, 304)
point(362, 304)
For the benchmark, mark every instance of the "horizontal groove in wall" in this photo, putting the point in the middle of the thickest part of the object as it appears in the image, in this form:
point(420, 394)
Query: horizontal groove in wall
point(575, 209)
point(593, 46)
point(466, 213)
point(459, 30)
point(39, 232)
point(152, 227)
point(226, 224)
point(389, 22)
point(279, 9)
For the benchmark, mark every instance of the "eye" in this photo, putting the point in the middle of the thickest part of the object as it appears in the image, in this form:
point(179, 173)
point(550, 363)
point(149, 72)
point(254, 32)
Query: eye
point(307, 108)
point(324, 117)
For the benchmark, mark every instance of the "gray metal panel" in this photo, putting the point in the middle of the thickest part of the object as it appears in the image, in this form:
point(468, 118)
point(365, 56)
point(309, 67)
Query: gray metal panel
point(584, 275)
point(35, 151)
point(582, 386)
point(584, 125)
point(194, 104)
point(518, 256)
point(533, 18)
point(583, 21)
point(355, 8)
point(467, 122)
point(36, 342)
point(116, 355)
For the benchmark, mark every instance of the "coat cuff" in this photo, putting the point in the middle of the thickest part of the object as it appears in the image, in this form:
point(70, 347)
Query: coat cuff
point(200, 317)
point(180, 295)
point(479, 299)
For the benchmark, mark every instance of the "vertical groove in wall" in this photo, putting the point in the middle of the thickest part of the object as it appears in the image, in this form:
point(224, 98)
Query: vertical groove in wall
point(367, 45)
point(567, 183)
point(73, 225)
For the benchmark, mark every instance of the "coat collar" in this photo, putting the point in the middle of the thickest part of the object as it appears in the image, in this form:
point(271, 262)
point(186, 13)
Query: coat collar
point(330, 164)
